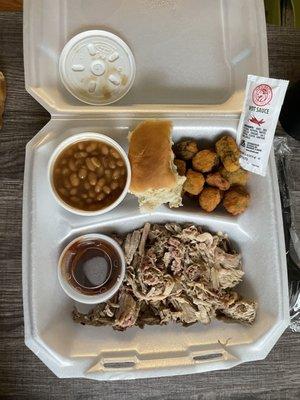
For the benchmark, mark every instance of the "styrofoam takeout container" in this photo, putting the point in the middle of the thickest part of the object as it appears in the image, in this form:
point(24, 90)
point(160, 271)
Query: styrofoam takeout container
point(78, 138)
point(192, 59)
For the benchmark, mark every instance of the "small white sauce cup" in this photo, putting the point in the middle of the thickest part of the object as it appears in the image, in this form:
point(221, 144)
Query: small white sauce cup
point(85, 136)
point(70, 290)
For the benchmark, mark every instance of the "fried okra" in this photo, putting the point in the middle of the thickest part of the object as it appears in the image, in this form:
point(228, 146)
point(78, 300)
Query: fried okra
point(238, 177)
point(194, 182)
point(186, 149)
point(205, 160)
point(181, 166)
point(216, 179)
point(229, 153)
point(236, 200)
point(209, 198)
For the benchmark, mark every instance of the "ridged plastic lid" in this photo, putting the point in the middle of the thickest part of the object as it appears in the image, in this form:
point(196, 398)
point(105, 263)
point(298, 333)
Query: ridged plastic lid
point(97, 67)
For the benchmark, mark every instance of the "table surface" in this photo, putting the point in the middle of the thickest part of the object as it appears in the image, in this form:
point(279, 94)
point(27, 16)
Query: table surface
point(22, 374)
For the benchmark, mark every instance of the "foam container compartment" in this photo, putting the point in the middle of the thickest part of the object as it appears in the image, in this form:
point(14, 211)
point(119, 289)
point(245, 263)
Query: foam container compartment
point(195, 78)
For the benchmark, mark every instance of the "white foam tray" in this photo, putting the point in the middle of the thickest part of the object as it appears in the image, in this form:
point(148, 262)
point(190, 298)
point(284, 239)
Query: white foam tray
point(72, 350)
point(222, 42)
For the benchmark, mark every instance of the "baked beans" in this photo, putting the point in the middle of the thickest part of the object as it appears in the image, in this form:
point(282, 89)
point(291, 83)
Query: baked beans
point(89, 175)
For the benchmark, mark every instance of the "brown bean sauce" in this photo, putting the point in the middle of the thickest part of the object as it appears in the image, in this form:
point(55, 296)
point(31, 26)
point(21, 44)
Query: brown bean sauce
point(89, 175)
point(91, 266)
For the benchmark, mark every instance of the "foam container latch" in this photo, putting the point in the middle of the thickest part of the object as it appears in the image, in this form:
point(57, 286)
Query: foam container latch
point(192, 60)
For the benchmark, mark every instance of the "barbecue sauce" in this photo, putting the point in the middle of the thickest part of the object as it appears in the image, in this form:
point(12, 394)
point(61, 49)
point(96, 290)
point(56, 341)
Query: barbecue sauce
point(92, 266)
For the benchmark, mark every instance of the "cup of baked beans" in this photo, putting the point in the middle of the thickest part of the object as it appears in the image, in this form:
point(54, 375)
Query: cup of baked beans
point(89, 173)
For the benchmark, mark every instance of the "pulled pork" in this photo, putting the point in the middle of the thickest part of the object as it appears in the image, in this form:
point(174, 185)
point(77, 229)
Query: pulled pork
point(174, 273)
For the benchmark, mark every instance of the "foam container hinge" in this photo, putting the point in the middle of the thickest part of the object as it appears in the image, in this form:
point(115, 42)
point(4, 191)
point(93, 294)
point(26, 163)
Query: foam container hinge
point(226, 41)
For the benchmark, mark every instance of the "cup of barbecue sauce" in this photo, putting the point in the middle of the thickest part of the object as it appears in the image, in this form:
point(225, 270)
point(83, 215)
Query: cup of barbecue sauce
point(91, 268)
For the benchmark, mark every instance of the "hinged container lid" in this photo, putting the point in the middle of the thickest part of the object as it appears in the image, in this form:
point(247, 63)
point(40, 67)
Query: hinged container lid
point(191, 56)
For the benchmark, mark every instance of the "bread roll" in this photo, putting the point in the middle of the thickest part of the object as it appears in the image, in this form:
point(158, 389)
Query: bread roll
point(154, 176)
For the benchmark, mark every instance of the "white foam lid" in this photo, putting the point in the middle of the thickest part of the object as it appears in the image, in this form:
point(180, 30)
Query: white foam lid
point(191, 56)
point(97, 67)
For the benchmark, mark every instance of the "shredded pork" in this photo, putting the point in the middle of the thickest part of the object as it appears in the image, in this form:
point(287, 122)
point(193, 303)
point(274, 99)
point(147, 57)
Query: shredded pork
point(175, 273)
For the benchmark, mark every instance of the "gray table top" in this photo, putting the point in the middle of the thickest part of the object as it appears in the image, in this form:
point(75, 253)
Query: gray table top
point(22, 374)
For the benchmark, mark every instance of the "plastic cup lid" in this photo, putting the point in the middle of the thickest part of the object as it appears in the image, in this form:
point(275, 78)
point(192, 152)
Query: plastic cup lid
point(97, 67)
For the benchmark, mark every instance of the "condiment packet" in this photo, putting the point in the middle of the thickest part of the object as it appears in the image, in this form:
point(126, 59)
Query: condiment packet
point(262, 105)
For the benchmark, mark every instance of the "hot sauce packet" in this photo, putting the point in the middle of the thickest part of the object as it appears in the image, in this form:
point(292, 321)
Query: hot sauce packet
point(262, 105)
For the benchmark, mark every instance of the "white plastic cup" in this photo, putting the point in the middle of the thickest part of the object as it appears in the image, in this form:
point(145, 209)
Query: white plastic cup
point(71, 291)
point(78, 138)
